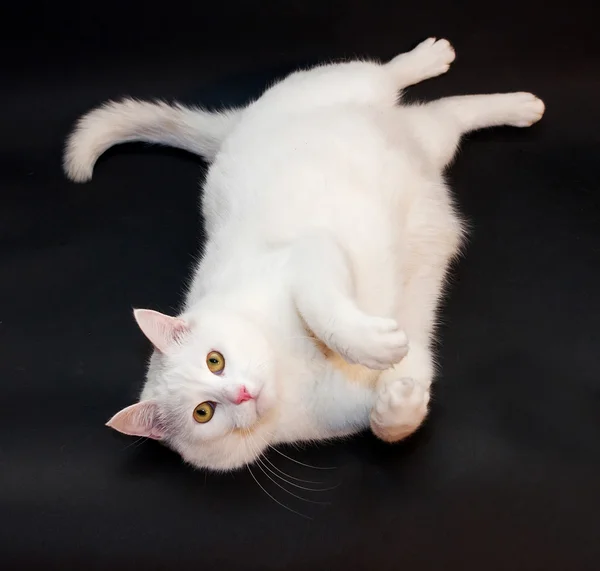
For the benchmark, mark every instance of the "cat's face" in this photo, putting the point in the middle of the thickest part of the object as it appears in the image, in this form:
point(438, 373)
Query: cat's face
point(211, 389)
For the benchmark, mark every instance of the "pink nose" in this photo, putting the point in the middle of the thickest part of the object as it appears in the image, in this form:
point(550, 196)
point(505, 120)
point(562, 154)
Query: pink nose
point(243, 395)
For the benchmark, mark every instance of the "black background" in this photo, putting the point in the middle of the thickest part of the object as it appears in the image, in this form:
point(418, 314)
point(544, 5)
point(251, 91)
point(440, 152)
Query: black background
point(505, 474)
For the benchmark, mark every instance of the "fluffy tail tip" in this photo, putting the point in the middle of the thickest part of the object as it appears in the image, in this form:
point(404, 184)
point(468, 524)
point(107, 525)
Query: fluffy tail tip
point(76, 165)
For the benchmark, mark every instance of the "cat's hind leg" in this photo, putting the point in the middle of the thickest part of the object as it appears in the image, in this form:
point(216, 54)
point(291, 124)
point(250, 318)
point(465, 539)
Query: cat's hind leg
point(439, 125)
point(429, 59)
point(364, 82)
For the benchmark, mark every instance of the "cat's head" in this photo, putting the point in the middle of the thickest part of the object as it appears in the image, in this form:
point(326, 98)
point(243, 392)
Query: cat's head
point(211, 388)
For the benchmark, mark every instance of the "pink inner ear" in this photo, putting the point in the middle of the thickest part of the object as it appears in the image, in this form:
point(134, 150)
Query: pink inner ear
point(162, 330)
point(139, 419)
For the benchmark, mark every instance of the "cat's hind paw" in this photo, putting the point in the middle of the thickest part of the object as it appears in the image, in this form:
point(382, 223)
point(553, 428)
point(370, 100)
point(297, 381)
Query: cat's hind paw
point(524, 109)
point(433, 57)
point(429, 59)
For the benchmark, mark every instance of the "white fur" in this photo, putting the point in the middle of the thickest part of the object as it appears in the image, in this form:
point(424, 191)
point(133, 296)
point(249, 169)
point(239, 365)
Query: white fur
point(326, 213)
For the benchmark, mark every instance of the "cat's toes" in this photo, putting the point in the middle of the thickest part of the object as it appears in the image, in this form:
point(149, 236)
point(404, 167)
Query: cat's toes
point(400, 408)
point(433, 56)
point(374, 342)
point(526, 109)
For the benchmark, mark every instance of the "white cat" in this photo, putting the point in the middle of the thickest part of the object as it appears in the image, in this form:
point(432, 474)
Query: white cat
point(329, 233)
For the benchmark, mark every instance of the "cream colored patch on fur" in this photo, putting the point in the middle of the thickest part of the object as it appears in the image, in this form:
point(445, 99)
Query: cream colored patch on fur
point(354, 373)
point(391, 434)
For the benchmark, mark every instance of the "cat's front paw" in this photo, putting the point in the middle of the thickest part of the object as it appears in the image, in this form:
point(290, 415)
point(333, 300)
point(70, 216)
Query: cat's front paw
point(400, 408)
point(374, 342)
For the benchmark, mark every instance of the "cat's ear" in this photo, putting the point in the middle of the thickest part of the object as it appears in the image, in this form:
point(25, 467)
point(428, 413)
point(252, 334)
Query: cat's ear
point(162, 330)
point(140, 419)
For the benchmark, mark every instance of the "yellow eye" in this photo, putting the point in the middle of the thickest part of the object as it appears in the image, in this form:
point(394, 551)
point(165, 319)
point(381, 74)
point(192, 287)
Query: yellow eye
point(215, 362)
point(204, 412)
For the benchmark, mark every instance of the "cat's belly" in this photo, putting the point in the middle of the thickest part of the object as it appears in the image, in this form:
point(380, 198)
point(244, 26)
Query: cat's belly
point(334, 168)
point(343, 177)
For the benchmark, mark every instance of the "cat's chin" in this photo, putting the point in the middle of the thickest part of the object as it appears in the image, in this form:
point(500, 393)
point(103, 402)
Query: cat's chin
point(229, 454)
point(265, 402)
point(228, 465)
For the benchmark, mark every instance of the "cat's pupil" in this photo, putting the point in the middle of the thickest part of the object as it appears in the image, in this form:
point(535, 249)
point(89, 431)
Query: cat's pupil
point(214, 361)
point(202, 412)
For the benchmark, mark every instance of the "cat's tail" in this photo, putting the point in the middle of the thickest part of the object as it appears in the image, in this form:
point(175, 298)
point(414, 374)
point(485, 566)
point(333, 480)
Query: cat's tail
point(189, 128)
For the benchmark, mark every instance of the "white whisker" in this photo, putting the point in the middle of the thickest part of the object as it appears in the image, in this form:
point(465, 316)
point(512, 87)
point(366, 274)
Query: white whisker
point(135, 443)
point(275, 500)
point(263, 488)
point(264, 468)
point(262, 461)
point(297, 461)
point(265, 459)
point(261, 466)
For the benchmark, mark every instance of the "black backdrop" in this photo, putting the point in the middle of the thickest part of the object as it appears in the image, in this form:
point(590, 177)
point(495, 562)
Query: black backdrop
point(505, 475)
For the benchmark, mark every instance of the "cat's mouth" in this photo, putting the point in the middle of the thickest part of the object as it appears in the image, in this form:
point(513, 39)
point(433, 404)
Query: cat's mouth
point(256, 411)
point(261, 419)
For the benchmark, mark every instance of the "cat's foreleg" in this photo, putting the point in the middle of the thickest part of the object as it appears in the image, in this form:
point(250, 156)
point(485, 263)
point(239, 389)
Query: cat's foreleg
point(322, 288)
point(403, 391)
point(400, 407)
